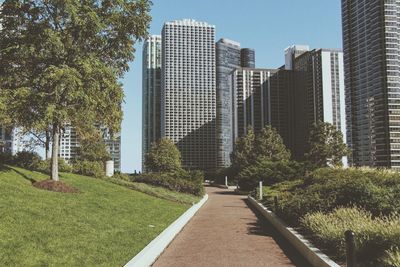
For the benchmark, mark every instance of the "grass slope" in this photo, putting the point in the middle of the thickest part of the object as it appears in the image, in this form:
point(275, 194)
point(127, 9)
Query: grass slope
point(104, 225)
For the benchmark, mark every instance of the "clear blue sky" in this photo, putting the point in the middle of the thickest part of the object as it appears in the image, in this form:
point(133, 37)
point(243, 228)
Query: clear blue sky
point(268, 26)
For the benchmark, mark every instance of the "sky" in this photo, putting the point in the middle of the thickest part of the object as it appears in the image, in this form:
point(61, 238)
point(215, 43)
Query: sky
point(268, 26)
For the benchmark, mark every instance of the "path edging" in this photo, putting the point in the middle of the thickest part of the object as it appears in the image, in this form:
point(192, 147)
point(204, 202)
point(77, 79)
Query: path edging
point(312, 254)
point(148, 255)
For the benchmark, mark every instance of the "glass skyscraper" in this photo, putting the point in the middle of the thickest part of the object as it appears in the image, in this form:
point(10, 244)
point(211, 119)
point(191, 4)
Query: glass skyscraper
point(371, 39)
point(151, 93)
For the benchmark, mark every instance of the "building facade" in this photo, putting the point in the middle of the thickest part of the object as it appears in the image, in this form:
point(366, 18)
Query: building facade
point(10, 141)
point(70, 143)
point(371, 39)
point(229, 56)
point(322, 98)
point(188, 91)
point(151, 93)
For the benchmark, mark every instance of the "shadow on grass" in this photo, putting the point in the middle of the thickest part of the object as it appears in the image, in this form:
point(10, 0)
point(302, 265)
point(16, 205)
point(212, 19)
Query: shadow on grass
point(264, 228)
point(4, 168)
point(23, 175)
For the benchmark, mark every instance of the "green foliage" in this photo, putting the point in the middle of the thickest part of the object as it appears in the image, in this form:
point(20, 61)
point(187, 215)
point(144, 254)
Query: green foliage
point(268, 172)
point(89, 168)
point(374, 236)
point(93, 149)
point(376, 191)
point(163, 156)
point(391, 258)
point(326, 146)
point(44, 166)
point(269, 146)
point(181, 181)
point(6, 158)
point(61, 62)
point(243, 151)
point(27, 160)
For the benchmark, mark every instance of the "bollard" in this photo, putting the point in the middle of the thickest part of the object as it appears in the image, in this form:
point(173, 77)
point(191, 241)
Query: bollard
point(226, 181)
point(350, 248)
point(261, 191)
point(275, 204)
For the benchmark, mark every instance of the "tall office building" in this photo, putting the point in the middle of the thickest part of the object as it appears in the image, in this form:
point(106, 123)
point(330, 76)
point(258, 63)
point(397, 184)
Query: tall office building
point(70, 143)
point(229, 56)
point(10, 140)
point(292, 52)
point(248, 58)
point(264, 97)
point(371, 38)
point(323, 96)
point(151, 93)
point(188, 91)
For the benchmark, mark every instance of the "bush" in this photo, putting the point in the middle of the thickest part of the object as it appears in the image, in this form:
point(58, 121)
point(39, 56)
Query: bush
point(45, 166)
point(27, 160)
point(268, 172)
point(6, 158)
point(180, 181)
point(89, 168)
point(326, 189)
point(375, 237)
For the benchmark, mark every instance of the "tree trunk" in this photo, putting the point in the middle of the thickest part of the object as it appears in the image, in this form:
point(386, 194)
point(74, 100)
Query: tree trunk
point(54, 156)
point(47, 145)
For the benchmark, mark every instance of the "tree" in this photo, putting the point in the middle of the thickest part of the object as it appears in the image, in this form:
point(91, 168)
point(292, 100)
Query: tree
point(163, 156)
point(93, 149)
point(61, 61)
point(326, 145)
point(243, 152)
point(269, 146)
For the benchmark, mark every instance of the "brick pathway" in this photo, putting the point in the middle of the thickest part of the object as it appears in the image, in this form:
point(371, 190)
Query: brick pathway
point(226, 232)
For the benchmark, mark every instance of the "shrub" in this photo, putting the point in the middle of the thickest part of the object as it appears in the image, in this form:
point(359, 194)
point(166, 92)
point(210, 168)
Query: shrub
point(27, 160)
point(269, 172)
point(45, 166)
point(329, 188)
point(6, 158)
point(89, 168)
point(375, 237)
point(180, 181)
point(391, 258)
point(121, 176)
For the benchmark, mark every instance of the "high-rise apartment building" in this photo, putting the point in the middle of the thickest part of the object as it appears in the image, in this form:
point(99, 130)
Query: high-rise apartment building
point(323, 96)
point(151, 93)
point(292, 52)
point(263, 97)
point(10, 140)
point(70, 143)
point(371, 39)
point(229, 56)
point(188, 91)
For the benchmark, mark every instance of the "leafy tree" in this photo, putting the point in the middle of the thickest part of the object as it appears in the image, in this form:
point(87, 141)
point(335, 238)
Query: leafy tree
point(243, 152)
point(163, 156)
point(61, 61)
point(269, 146)
point(93, 149)
point(326, 146)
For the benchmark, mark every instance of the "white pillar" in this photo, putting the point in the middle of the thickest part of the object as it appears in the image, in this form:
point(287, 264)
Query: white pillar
point(261, 191)
point(226, 180)
point(109, 168)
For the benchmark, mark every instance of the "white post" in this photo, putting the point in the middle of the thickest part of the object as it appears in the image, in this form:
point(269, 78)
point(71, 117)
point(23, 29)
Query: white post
point(109, 168)
point(226, 181)
point(261, 191)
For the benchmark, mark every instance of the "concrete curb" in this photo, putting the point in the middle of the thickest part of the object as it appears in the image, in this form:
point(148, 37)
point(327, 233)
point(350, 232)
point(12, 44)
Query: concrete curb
point(153, 250)
point(313, 255)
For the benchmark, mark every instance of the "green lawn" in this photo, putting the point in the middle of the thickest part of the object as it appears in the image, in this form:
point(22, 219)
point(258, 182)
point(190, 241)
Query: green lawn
point(104, 225)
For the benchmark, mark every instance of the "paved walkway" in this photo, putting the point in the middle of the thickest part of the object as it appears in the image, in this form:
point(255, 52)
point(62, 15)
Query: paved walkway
point(226, 232)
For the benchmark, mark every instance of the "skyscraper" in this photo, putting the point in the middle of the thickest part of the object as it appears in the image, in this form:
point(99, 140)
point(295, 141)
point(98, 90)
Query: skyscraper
point(188, 91)
point(229, 56)
point(371, 38)
point(323, 96)
point(10, 140)
point(151, 93)
point(292, 52)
